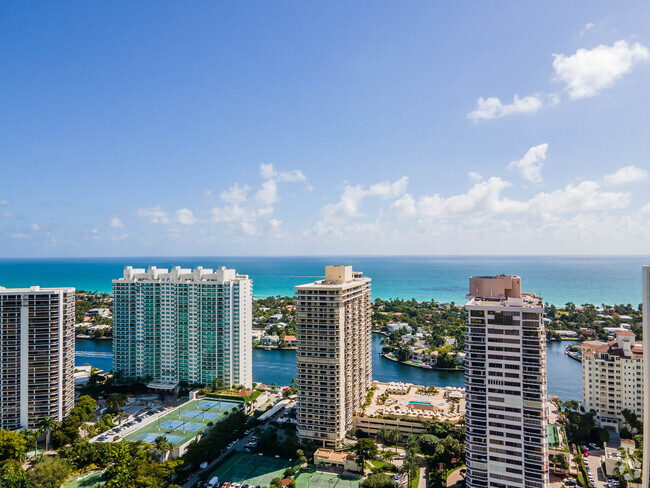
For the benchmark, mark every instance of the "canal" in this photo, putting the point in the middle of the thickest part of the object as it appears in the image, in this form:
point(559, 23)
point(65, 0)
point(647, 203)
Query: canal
point(278, 367)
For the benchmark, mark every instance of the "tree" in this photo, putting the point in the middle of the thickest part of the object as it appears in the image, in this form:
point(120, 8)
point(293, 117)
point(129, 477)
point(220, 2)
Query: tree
point(163, 445)
point(383, 435)
point(377, 481)
point(13, 445)
point(301, 456)
point(366, 450)
point(49, 473)
point(115, 400)
point(395, 437)
point(47, 425)
point(276, 483)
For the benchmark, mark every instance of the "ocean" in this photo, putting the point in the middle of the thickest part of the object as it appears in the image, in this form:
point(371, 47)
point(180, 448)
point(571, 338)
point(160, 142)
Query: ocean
point(559, 279)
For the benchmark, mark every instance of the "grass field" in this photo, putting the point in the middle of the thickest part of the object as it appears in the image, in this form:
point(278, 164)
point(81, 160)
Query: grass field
point(252, 469)
point(182, 424)
point(324, 480)
point(85, 480)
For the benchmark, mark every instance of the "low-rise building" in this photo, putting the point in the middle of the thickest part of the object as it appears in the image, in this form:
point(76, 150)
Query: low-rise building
point(290, 340)
point(275, 318)
point(336, 459)
point(270, 340)
point(98, 312)
point(395, 326)
point(612, 378)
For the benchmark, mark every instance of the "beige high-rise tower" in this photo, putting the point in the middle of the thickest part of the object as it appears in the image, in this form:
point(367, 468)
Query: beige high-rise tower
point(334, 353)
point(505, 376)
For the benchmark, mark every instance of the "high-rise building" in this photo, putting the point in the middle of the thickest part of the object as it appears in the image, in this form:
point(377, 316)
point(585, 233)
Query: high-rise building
point(645, 481)
point(612, 379)
point(183, 325)
point(36, 355)
point(505, 375)
point(334, 353)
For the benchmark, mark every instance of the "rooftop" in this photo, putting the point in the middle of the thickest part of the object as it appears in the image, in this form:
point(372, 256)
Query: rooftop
point(179, 275)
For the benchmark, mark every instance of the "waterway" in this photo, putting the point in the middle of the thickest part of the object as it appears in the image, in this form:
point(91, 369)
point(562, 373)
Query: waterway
point(278, 367)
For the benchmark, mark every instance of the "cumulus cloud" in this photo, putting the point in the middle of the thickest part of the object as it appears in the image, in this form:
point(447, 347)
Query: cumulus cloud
point(268, 194)
point(267, 171)
point(474, 176)
point(494, 108)
point(35, 227)
point(627, 174)
point(185, 216)
point(530, 166)
point(589, 71)
point(235, 194)
point(588, 26)
point(155, 214)
point(116, 222)
point(352, 197)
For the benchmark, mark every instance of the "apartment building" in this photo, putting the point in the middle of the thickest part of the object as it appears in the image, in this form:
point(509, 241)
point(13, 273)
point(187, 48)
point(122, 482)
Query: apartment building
point(36, 355)
point(506, 396)
point(183, 325)
point(334, 353)
point(612, 378)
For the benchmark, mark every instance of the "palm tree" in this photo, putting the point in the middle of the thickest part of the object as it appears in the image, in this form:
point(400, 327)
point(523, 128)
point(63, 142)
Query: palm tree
point(115, 400)
point(120, 417)
point(47, 425)
point(383, 435)
point(395, 437)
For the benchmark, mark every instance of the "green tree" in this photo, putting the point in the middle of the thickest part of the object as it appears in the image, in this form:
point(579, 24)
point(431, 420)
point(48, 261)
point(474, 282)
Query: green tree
point(49, 473)
point(377, 481)
point(366, 450)
point(115, 400)
point(276, 483)
point(13, 445)
point(47, 425)
point(301, 456)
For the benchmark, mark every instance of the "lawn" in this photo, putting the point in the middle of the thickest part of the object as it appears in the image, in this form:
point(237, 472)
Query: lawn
point(182, 424)
point(310, 479)
point(252, 469)
point(86, 480)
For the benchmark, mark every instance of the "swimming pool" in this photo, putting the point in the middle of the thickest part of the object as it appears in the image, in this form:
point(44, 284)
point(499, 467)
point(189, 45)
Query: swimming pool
point(419, 403)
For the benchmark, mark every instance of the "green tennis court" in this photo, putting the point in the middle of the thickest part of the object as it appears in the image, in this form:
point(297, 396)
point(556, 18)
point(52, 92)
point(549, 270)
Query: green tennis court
point(252, 469)
point(553, 439)
point(86, 480)
point(183, 423)
point(324, 480)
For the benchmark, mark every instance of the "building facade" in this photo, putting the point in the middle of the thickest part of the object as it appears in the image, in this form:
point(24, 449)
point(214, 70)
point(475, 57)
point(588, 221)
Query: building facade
point(645, 279)
point(183, 325)
point(334, 359)
point(36, 355)
point(612, 379)
point(506, 395)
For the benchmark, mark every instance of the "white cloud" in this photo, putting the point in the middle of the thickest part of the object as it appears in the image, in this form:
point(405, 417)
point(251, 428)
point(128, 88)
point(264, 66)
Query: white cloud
point(627, 174)
point(267, 172)
point(474, 176)
point(116, 222)
point(268, 194)
point(646, 209)
point(530, 166)
point(493, 108)
point(4, 201)
point(184, 216)
point(155, 214)
point(19, 235)
point(589, 71)
point(7, 214)
point(35, 227)
point(274, 229)
point(588, 26)
point(352, 197)
point(235, 194)
point(484, 196)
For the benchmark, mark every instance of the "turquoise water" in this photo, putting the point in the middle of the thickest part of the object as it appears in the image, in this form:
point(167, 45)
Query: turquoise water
point(278, 367)
point(559, 279)
point(419, 403)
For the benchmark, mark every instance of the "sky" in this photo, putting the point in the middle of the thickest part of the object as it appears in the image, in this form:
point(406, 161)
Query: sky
point(327, 128)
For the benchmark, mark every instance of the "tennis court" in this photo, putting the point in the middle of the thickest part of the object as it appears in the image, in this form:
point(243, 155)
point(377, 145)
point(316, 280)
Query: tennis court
point(553, 439)
point(252, 469)
point(86, 480)
point(324, 480)
point(182, 424)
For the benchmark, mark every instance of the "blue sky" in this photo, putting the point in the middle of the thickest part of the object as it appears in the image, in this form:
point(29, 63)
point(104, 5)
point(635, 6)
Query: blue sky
point(230, 128)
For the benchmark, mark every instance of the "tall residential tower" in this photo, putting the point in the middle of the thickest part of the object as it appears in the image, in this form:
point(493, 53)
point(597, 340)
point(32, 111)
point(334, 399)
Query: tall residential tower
point(505, 373)
point(36, 355)
point(334, 353)
point(645, 481)
point(183, 325)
